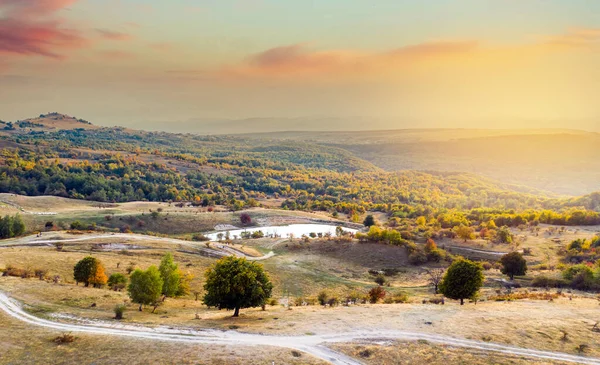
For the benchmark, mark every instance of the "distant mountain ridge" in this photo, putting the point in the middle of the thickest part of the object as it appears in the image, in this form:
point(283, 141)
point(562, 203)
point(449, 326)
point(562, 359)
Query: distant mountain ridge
point(556, 161)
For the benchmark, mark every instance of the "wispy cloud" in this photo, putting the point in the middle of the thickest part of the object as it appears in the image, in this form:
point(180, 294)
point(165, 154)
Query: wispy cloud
point(48, 39)
point(29, 28)
point(299, 59)
point(576, 37)
point(28, 8)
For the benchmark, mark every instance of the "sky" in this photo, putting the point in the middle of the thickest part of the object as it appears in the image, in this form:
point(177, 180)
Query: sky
point(426, 63)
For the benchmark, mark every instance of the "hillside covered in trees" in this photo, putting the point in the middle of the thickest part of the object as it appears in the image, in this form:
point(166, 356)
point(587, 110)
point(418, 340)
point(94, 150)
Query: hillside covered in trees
point(119, 165)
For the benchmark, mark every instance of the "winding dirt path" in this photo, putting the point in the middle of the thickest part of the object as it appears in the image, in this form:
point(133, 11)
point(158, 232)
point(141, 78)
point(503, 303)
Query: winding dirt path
point(314, 345)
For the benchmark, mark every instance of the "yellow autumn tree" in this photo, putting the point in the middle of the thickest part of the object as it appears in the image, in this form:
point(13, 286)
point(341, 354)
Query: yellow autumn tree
point(98, 276)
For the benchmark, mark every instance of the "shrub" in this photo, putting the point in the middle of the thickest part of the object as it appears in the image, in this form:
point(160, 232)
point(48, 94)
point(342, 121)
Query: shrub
point(380, 279)
point(417, 257)
point(119, 310)
point(64, 338)
point(487, 266)
point(547, 282)
point(200, 237)
point(322, 297)
point(245, 219)
point(41, 273)
point(117, 282)
point(400, 298)
point(77, 225)
point(333, 301)
point(580, 276)
point(376, 294)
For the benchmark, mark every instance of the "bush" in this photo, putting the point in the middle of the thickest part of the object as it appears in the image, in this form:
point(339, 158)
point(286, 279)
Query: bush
point(41, 273)
point(200, 237)
point(119, 310)
point(245, 219)
point(333, 301)
point(417, 257)
point(380, 279)
point(117, 282)
point(322, 297)
point(376, 294)
point(400, 298)
point(547, 282)
point(487, 266)
point(64, 338)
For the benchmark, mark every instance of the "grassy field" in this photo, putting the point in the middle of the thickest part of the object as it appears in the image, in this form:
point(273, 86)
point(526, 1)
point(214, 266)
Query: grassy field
point(300, 269)
point(25, 344)
point(542, 319)
point(423, 352)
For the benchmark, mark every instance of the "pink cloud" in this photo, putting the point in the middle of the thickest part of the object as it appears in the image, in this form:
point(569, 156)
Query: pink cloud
point(37, 38)
point(28, 28)
point(33, 7)
point(298, 59)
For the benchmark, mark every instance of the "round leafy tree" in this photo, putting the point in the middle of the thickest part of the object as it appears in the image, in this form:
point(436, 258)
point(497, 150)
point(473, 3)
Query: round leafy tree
point(513, 264)
point(90, 270)
point(145, 287)
point(463, 280)
point(234, 283)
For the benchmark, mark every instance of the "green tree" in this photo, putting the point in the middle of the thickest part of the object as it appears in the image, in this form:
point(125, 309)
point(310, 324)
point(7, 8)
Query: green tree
point(513, 264)
point(89, 270)
point(170, 276)
point(369, 221)
point(6, 227)
point(18, 227)
point(145, 287)
point(463, 280)
point(235, 283)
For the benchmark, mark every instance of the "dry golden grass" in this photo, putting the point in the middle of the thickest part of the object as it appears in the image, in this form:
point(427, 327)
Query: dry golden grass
point(25, 344)
point(422, 352)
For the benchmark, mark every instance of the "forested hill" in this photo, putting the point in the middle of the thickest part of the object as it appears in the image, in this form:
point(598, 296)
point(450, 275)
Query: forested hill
point(116, 164)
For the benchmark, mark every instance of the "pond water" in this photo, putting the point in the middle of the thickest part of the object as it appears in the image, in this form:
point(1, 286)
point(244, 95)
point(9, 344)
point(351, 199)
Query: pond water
point(284, 231)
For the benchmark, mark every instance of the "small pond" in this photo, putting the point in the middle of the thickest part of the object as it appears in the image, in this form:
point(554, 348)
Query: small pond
point(284, 231)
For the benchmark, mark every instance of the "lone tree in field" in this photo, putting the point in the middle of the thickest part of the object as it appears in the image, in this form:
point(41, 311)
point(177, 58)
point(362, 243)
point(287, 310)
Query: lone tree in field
point(234, 283)
point(513, 264)
point(145, 287)
point(88, 271)
point(435, 277)
point(369, 221)
point(462, 281)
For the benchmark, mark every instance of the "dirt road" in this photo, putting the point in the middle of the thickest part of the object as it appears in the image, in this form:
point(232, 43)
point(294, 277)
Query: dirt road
point(314, 345)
